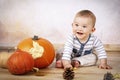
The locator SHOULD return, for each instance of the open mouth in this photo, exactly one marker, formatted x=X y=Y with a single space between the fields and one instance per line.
x=79 y=33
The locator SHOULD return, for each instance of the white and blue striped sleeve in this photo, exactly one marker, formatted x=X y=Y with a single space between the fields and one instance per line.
x=99 y=48
x=68 y=48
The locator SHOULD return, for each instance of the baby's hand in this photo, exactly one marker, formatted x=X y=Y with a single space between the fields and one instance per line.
x=104 y=66
x=68 y=66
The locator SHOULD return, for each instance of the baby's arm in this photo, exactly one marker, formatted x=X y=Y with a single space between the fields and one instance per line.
x=68 y=47
x=102 y=55
x=103 y=64
x=66 y=64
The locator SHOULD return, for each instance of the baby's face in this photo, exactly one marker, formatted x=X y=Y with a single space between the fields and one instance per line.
x=82 y=27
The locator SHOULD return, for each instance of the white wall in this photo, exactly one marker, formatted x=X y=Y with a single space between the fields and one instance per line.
x=51 y=19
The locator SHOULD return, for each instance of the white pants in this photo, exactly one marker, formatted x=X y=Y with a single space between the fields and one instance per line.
x=86 y=60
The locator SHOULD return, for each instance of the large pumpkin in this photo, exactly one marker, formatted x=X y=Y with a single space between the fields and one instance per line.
x=41 y=49
x=20 y=62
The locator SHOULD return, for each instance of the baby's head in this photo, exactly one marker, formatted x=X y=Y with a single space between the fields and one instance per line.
x=83 y=24
x=87 y=14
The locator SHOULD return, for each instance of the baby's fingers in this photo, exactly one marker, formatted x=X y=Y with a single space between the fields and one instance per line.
x=102 y=67
x=108 y=67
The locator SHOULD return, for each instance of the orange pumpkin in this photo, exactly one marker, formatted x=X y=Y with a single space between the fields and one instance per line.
x=20 y=62
x=41 y=49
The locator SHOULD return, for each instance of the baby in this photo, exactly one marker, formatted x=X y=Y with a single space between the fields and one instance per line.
x=81 y=45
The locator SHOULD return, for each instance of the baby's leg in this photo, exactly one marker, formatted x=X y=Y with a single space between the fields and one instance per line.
x=87 y=60
x=58 y=59
x=59 y=64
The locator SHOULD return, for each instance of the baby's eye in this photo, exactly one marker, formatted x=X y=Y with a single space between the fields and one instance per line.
x=76 y=25
x=84 y=26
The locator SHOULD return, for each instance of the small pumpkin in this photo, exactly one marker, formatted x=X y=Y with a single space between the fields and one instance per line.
x=20 y=62
x=41 y=49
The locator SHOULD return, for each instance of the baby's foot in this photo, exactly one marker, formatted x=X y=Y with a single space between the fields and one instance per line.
x=59 y=64
x=75 y=63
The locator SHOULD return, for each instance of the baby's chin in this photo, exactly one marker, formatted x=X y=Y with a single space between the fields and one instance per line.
x=78 y=36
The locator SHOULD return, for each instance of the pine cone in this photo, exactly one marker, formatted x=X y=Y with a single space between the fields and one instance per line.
x=68 y=74
x=108 y=76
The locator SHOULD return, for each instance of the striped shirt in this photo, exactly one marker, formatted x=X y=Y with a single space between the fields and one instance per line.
x=74 y=48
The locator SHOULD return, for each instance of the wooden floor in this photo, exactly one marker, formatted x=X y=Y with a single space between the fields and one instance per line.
x=82 y=73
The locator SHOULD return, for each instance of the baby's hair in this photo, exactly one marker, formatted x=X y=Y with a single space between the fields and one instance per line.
x=87 y=13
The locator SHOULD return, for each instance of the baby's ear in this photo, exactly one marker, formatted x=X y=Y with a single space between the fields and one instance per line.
x=93 y=29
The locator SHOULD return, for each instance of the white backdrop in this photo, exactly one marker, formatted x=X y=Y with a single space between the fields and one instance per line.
x=52 y=19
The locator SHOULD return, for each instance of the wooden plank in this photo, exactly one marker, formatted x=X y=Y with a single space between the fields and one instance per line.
x=112 y=47
x=108 y=47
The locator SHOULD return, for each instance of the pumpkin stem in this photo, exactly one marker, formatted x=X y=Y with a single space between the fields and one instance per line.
x=35 y=38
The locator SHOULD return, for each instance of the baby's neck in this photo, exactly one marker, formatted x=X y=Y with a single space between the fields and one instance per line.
x=83 y=41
